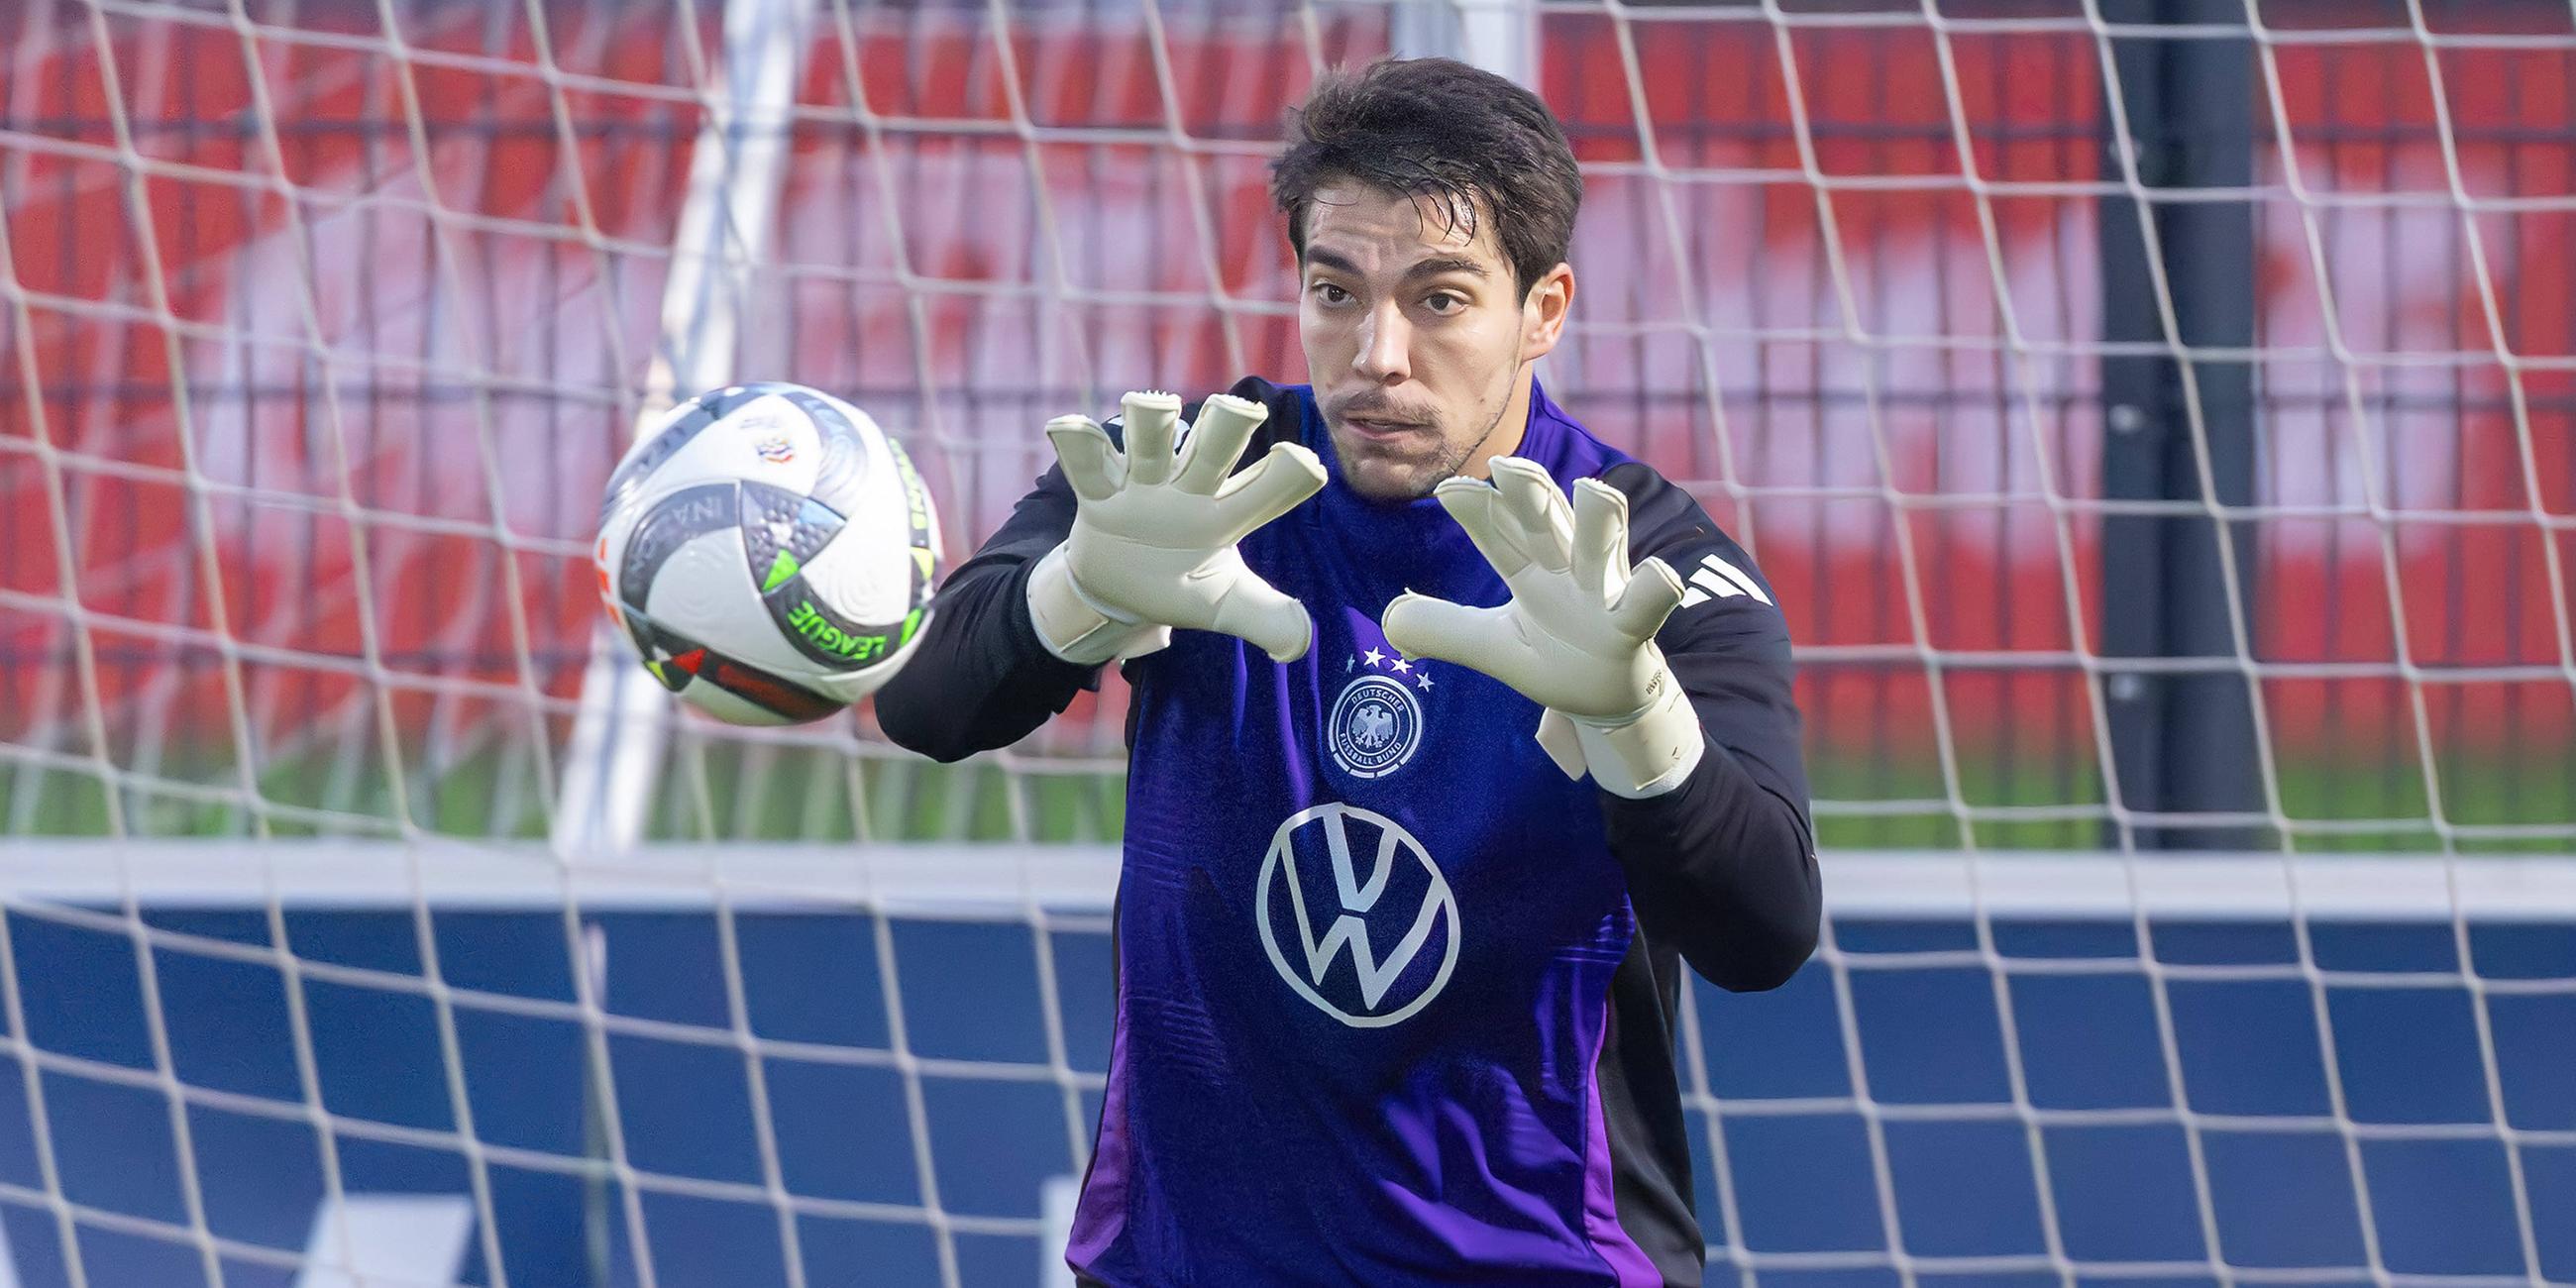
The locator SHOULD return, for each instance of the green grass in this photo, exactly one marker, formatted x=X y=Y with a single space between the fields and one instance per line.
x=2352 y=804
x=707 y=791
x=738 y=792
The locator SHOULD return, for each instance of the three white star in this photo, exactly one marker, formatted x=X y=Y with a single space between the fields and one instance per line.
x=1400 y=666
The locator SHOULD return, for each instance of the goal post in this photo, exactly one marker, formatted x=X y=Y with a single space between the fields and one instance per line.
x=2179 y=579
x=726 y=218
x=2166 y=474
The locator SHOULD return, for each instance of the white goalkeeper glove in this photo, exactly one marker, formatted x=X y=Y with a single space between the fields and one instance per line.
x=1154 y=533
x=1578 y=636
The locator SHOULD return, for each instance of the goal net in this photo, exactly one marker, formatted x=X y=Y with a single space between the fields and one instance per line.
x=2159 y=419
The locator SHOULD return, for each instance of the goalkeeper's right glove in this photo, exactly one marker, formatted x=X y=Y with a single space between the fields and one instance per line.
x=1154 y=533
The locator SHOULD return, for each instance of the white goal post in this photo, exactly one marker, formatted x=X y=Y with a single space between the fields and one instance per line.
x=726 y=219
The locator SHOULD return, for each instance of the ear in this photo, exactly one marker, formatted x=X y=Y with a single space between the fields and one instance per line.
x=1543 y=311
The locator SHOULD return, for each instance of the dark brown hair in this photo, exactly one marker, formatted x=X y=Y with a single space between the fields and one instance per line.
x=1436 y=126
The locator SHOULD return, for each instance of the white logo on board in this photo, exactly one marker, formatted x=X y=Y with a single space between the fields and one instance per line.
x=1344 y=830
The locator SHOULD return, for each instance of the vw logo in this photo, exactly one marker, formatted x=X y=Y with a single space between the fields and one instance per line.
x=1366 y=850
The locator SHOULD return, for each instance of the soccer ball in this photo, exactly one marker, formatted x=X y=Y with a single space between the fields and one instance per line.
x=771 y=551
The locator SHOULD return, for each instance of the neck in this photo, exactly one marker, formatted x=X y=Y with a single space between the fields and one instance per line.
x=1509 y=430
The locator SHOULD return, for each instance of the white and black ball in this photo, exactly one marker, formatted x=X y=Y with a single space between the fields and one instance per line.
x=771 y=551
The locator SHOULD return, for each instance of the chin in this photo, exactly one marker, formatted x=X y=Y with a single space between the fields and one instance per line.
x=1390 y=487
x=1377 y=477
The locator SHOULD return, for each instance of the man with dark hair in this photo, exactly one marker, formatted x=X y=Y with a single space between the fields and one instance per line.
x=1396 y=986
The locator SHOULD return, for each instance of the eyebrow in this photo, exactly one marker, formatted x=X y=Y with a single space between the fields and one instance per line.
x=1432 y=267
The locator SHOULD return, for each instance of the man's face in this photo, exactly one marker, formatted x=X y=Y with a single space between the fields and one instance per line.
x=1415 y=335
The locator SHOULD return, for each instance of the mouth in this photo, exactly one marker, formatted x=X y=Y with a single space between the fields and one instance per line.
x=1380 y=429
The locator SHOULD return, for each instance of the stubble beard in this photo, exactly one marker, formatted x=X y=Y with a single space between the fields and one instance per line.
x=1386 y=477
x=1392 y=480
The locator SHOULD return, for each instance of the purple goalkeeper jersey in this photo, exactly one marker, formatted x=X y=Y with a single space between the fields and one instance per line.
x=1396 y=998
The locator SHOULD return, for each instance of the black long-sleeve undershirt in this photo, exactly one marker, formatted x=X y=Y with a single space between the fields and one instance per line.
x=980 y=678
x=1722 y=867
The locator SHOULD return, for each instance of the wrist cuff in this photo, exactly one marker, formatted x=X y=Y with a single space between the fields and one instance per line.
x=1648 y=754
x=1079 y=629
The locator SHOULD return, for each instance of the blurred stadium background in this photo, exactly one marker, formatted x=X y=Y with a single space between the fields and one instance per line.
x=2158 y=415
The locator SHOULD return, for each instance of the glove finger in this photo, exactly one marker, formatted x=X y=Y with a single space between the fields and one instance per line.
x=1480 y=638
x=1090 y=460
x=1473 y=504
x=1256 y=611
x=1152 y=421
x=1650 y=596
x=1556 y=737
x=1534 y=502
x=1274 y=485
x=1600 y=538
x=1215 y=441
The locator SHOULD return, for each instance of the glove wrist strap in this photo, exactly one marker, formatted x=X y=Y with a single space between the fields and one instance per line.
x=1079 y=629
x=1648 y=754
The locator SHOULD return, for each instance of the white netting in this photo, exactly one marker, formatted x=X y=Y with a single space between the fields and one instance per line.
x=322 y=323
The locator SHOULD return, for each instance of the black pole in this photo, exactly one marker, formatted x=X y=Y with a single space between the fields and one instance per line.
x=2182 y=740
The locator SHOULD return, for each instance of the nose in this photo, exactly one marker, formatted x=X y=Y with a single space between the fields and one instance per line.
x=1384 y=350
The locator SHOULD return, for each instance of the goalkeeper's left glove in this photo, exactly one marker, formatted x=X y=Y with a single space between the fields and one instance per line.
x=1578 y=636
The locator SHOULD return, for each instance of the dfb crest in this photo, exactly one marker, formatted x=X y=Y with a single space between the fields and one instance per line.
x=1376 y=723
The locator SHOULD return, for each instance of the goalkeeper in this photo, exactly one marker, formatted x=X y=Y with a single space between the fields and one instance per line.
x=1454 y=732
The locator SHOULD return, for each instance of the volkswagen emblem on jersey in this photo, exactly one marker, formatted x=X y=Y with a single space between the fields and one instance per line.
x=1379 y=943
x=1376 y=724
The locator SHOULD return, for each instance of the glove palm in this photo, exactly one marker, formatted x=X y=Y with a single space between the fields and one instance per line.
x=1578 y=635
x=1153 y=544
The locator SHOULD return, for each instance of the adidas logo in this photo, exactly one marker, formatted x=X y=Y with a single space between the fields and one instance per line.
x=1715 y=578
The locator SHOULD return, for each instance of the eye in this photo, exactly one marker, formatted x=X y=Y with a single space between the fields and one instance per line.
x=1446 y=303
x=1329 y=293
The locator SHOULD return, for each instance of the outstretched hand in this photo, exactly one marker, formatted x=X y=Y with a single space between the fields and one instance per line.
x=1578 y=635
x=1155 y=530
